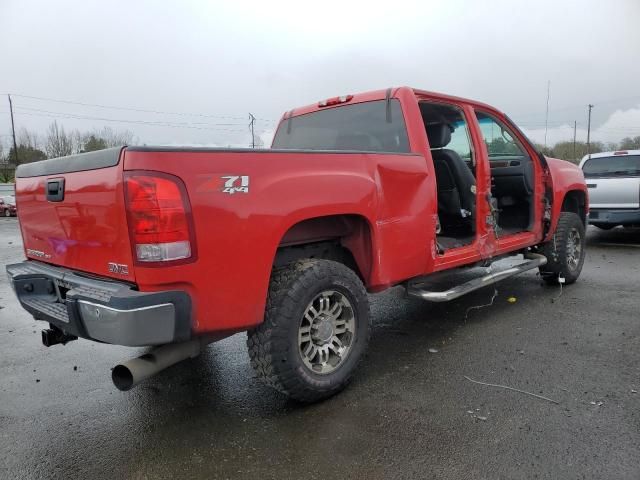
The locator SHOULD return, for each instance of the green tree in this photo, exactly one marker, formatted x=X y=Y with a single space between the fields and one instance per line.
x=565 y=150
x=548 y=151
x=629 y=143
x=7 y=176
x=499 y=146
x=26 y=154
x=93 y=143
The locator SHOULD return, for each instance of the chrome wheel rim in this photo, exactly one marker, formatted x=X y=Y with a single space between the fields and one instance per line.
x=574 y=249
x=327 y=332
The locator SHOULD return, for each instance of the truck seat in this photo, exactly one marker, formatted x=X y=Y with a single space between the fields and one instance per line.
x=456 y=183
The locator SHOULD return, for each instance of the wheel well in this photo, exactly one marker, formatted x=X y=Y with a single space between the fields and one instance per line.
x=341 y=238
x=575 y=201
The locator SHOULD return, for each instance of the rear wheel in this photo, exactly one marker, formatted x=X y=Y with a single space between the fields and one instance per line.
x=7 y=212
x=315 y=331
x=565 y=251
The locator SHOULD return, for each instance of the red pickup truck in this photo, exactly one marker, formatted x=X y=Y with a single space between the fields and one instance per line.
x=178 y=247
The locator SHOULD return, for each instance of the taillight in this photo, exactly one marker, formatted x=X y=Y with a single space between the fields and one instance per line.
x=159 y=217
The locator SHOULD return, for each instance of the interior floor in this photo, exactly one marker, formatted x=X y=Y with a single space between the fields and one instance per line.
x=447 y=243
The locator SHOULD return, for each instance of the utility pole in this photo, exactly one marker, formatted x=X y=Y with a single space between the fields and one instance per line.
x=574 y=138
x=589 y=131
x=13 y=131
x=251 y=124
x=546 y=117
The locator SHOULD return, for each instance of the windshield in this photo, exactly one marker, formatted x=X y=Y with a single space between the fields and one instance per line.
x=623 y=165
x=362 y=127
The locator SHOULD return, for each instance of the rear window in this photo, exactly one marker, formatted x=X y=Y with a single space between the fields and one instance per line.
x=362 y=126
x=618 y=166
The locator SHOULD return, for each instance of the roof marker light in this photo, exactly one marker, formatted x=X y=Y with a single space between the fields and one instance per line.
x=335 y=101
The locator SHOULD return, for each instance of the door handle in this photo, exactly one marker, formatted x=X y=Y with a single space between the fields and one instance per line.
x=55 y=190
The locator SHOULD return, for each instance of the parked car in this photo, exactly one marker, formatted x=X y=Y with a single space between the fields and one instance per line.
x=178 y=247
x=8 y=206
x=613 y=180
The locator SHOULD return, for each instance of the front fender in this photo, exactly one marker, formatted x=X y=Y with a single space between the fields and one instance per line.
x=565 y=177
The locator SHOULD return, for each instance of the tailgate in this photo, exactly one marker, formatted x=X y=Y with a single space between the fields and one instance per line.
x=613 y=180
x=72 y=213
x=614 y=192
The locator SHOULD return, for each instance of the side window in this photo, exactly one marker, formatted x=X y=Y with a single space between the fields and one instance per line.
x=499 y=139
x=439 y=115
x=460 y=142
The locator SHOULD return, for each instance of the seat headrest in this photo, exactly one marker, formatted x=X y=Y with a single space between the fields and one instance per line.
x=439 y=135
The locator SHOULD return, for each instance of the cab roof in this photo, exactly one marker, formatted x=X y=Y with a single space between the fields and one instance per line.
x=381 y=95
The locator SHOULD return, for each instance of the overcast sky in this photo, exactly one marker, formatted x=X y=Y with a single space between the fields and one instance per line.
x=215 y=62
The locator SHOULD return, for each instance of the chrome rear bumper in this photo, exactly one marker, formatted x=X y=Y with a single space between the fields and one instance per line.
x=101 y=310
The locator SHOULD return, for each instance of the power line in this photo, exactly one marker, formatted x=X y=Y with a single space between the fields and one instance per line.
x=258 y=119
x=154 y=124
x=131 y=109
x=19 y=107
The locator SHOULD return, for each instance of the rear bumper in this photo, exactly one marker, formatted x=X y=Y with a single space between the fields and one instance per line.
x=614 y=216
x=101 y=310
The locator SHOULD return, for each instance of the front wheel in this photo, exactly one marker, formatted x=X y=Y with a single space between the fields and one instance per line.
x=565 y=251
x=7 y=212
x=316 y=330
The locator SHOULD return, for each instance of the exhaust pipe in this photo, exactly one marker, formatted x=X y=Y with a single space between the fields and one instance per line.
x=128 y=374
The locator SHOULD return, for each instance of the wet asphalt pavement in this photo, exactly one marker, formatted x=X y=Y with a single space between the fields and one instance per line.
x=409 y=413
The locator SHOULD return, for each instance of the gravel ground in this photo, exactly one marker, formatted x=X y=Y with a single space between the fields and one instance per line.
x=410 y=412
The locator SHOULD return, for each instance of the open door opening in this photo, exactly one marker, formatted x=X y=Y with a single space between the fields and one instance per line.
x=454 y=164
x=512 y=176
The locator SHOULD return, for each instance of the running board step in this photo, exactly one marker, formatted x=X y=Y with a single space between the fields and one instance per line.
x=534 y=260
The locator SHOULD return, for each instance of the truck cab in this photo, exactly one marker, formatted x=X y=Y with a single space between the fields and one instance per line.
x=490 y=190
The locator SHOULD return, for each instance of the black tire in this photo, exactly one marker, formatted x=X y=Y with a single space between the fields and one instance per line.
x=274 y=347
x=561 y=260
x=603 y=226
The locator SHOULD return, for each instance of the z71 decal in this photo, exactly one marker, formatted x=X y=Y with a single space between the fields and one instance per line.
x=235 y=184
x=224 y=183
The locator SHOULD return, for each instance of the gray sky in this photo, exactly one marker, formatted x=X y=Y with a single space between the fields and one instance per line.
x=227 y=59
